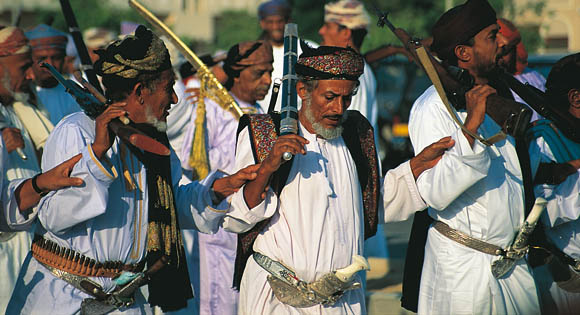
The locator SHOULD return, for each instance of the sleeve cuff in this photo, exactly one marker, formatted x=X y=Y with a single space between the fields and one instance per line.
x=101 y=171
x=404 y=171
x=213 y=203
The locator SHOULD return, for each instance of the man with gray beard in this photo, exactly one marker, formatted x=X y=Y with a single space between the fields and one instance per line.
x=24 y=131
x=249 y=67
x=312 y=213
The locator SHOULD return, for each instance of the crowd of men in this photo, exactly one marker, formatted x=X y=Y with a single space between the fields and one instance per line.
x=92 y=224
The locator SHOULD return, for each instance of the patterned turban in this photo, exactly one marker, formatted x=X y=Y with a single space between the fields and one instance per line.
x=329 y=63
x=511 y=33
x=244 y=55
x=46 y=37
x=12 y=41
x=460 y=24
x=141 y=53
x=274 y=7
x=349 y=13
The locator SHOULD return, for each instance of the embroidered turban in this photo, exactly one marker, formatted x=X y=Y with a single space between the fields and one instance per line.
x=511 y=33
x=141 y=53
x=274 y=7
x=349 y=13
x=12 y=41
x=460 y=24
x=329 y=63
x=46 y=37
x=244 y=55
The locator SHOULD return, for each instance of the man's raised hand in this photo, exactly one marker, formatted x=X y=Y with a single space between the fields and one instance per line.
x=430 y=156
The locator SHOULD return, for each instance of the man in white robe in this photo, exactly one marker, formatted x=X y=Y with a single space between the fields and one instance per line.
x=318 y=219
x=249 y=68
x=475 y=189
x=561 y=220
x=20 y=141
x=49 y=45
x=346 y=24
x=127 y=214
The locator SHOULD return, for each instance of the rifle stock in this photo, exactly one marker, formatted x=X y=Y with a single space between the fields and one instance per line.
x=93 y=107
x=511 y=116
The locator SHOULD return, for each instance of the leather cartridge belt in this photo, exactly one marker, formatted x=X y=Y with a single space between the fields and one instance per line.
x=50 y=254
x=467 y=240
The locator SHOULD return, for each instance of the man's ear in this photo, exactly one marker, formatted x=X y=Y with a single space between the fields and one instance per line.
x=345 y=34
x=463 y=53
x=574 y=97
x=137 y=92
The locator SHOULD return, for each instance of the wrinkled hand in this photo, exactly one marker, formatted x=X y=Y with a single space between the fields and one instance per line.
x=104 y=137
x=59 y=176
x=226 y=186
x=192 y=95
x=430 y=156
x=287 y=143
x=12 y=139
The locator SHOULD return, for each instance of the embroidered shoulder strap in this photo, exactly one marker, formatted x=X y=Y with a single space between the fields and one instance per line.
x=358 y=135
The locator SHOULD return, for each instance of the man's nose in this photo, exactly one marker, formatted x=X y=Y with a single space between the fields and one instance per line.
x=501 y=40
x=267 y=78
x=29 y=74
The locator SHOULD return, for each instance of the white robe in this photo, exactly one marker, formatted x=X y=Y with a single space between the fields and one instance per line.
x=561 y=221
x=57 y=102
x=104 y=219
x=317 y=224
x=13 y=251
x=477 y=191
x=217 y=252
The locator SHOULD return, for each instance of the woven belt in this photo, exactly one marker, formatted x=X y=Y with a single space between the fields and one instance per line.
x=50 y=254
x=467 y=240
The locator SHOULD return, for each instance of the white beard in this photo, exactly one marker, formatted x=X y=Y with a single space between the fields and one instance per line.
x=321 y=131
x=161 y=126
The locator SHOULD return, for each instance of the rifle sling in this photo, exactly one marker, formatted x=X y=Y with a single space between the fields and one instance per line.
x=432 y=74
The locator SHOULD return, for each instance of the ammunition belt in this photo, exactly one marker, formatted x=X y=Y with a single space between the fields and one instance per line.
x=49 y=253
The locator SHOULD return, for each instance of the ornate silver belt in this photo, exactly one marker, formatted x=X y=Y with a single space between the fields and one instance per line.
x=467 y=240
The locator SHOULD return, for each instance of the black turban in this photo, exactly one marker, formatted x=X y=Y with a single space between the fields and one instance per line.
x=459 y=24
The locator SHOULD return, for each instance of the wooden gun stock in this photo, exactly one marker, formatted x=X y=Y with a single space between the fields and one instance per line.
x=122 y=126
x=511 y=116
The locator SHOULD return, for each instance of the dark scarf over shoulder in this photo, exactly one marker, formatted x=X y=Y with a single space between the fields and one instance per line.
x=169 y=288
x=359 y=139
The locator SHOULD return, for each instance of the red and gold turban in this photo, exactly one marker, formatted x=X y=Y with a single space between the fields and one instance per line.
x=329 y=63
x=12 y=41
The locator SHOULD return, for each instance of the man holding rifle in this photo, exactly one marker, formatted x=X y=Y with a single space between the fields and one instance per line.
x=95 y=241
x=476 y=192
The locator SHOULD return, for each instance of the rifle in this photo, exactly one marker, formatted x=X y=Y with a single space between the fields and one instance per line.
x=568 y=124
x=73 y=28
x=511 y=116
x=289 y=111
x=94 y=104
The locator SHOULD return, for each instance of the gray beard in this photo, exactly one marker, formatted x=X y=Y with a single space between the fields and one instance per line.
x=17 y=96
x=161 y=126
x=319 y=129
